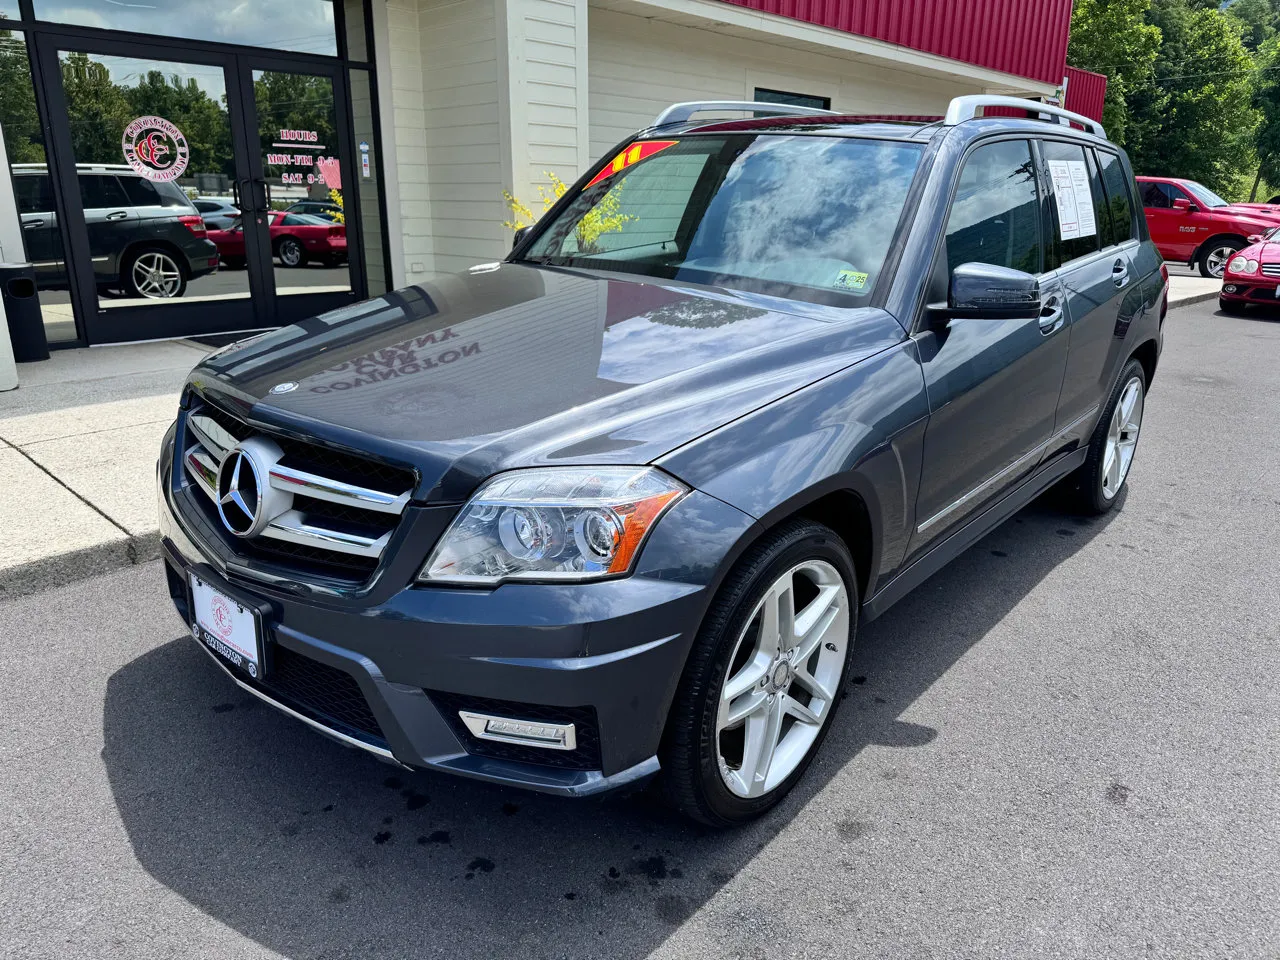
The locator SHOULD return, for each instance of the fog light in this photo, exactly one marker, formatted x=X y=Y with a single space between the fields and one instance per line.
x=526 y=733
x=1229 y=288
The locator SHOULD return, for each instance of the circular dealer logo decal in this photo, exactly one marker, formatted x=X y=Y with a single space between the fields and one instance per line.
x=222 y=619
x=155 y=148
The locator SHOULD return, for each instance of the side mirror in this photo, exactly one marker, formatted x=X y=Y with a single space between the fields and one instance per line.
x=521 y=233
x=1254 y=237
x=983 y=291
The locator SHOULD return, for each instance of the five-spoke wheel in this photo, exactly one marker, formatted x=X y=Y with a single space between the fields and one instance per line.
x=764 y=676
x=155 y=274
x=782 y=678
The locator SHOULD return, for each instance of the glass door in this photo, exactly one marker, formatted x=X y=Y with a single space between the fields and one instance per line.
x=300 y=194
x=199 y=192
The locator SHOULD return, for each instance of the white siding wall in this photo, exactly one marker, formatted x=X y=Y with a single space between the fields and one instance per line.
x=412 y=221
x=638 y=66
x=461 y=119
x=547 y=92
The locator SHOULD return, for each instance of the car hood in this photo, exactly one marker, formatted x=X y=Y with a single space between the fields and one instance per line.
x=513 y=365
x=1271 y=211
x=1263 y=215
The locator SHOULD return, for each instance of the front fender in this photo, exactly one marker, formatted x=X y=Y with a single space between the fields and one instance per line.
x=856 y=430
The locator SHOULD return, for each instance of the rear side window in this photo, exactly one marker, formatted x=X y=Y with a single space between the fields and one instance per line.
x=1119 y=203
x=1075 y=225
x=144 y=193
x=33 y=193
x=995 y=215
x=99 y=190
x=207 y=206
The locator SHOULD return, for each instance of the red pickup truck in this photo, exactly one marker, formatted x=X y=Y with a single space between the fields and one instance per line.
x=1192 y=224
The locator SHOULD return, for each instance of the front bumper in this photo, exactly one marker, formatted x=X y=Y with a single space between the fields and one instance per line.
x=1253 y=289
x=398 y=665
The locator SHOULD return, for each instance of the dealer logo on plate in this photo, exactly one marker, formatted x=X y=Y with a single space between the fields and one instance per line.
x=155 y=148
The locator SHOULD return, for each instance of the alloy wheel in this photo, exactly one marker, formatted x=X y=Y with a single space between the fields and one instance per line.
x=290 y=254
x=1122 y=438
x=156 y=276
x=1216 y=261
x=782 y=679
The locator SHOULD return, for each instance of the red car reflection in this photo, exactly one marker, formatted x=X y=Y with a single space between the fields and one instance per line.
x=296 y=238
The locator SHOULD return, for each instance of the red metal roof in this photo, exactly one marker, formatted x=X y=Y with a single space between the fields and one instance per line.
x=1085 y=92
x=1027 y=38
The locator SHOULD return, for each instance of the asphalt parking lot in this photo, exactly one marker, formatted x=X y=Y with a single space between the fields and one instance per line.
x=1061 y=745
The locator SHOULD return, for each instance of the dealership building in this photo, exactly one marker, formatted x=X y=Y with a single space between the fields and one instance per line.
x=339 y=149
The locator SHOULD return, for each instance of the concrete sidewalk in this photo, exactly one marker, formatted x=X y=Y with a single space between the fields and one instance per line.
x=78 y=445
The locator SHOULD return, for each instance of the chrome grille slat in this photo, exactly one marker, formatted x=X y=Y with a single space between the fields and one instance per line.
x=294 y=528
x=356 y=534
x=1271 y=269
x=217 y=441
x=335 y=491
x=204 y=470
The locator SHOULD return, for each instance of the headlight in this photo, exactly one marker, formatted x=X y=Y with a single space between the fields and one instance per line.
x=1238 y=265
x=554 y=523
x=1251 y=266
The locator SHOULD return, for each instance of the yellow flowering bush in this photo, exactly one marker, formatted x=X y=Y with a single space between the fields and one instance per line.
x=604 y=217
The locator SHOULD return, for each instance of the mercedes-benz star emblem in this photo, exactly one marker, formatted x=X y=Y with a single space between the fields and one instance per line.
x=287 y=387
x=239 y=493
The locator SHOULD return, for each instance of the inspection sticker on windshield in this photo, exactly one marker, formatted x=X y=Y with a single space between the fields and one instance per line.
x=851 y=280
x=1075 y=202
x=633 y=154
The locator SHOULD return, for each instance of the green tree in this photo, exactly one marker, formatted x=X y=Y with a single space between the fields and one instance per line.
x=23 y=138
x=1257 y=19
x=1266 y=100
x=1196 y=120
x=98 y=110
x=1114 y=38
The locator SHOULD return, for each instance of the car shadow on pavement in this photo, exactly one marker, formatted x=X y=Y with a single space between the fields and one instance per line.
x=315 y=851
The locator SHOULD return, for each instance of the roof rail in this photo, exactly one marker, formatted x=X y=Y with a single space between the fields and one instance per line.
x=971 y=107
x=680 y=112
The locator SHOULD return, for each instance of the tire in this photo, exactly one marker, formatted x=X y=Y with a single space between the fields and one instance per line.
x=1097 y=489
x=1213 y=258
x=154 y=273
x=1231 y=306
x=291 y=253
x=699 y=751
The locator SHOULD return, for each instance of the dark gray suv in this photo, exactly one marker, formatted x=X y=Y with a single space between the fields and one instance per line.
x=146 y=239
x=615 y=506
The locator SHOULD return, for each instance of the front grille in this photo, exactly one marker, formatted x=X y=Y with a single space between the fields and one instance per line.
x=341 y=511
x=586 y=729
x=1271 y=269
x=324 y=693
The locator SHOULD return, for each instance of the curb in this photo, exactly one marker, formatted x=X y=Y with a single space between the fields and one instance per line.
x=66 y=568
x=1192 y=298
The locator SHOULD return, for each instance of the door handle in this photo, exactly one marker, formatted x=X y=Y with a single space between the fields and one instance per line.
x=117 y=215
x=1119 y=274
x=1051 y=315
x=253 y=192
x=31 y=224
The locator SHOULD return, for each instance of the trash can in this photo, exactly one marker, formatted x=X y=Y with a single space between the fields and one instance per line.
x=22 y=312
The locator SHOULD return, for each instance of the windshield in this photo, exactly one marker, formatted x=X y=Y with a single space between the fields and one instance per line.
x=1205 y=195
x=807 y=217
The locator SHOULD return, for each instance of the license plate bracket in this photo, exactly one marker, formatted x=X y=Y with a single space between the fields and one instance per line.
x=229 y=624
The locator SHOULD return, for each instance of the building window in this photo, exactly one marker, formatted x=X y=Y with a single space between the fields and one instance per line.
x=791 y=99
